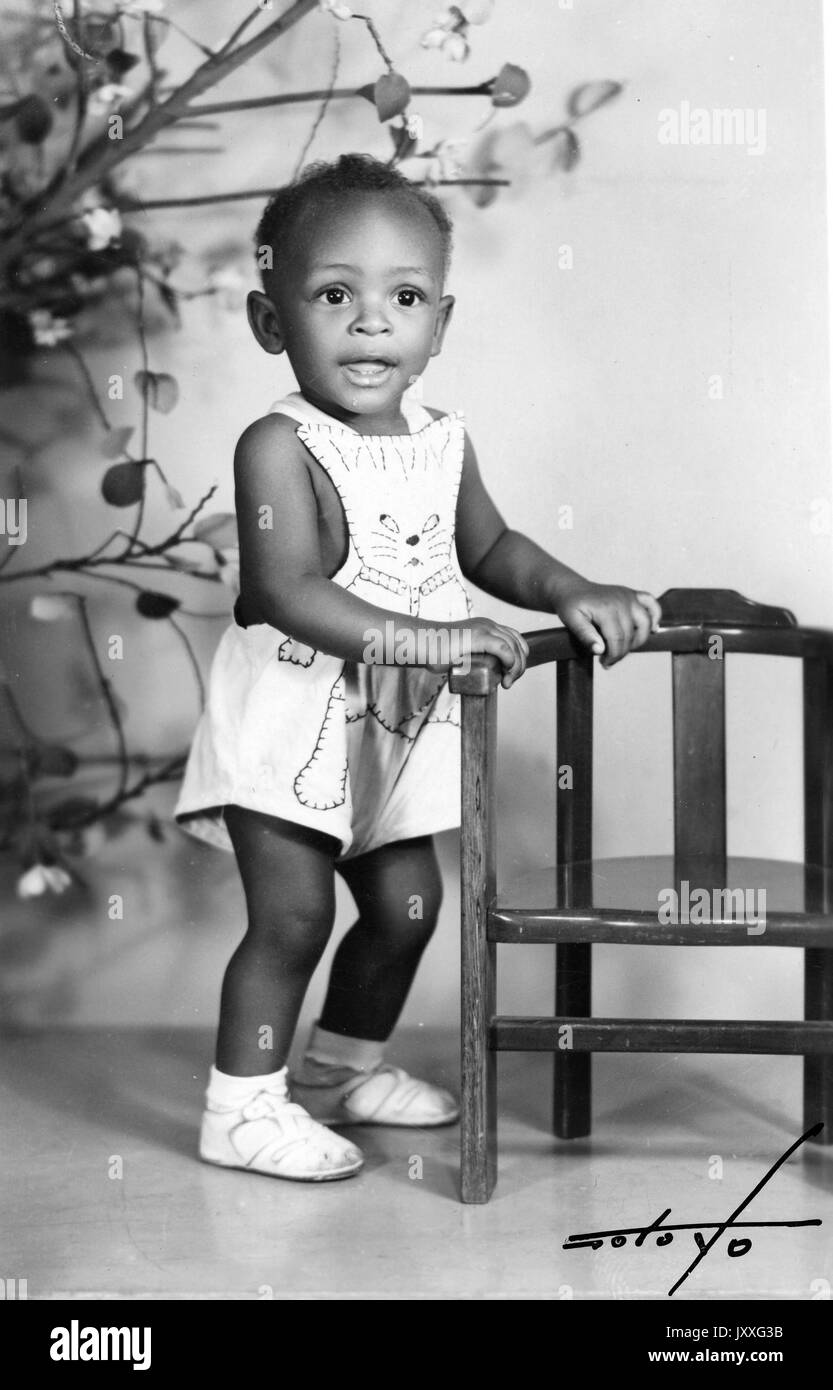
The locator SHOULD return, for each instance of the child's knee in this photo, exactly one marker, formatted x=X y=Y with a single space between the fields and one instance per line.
x=294 y=930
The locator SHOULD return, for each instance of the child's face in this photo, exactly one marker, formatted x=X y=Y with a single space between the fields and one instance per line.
x=358 y=307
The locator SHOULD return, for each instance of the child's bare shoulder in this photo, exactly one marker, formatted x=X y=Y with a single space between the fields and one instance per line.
x=270 y=432
x=269 y=447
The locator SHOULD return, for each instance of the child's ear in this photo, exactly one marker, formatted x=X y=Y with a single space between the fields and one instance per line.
x=441 y=322
x=264 y=321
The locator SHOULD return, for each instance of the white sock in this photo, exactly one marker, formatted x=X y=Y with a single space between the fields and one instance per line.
x=231 y=1092
x=337 y=1051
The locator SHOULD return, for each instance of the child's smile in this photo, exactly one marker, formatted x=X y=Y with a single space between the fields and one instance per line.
x=360 y=307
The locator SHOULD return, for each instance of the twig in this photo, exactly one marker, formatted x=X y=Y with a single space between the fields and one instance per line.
x=107 y=692
x=140 y=328
x=213 y=108
x=374 y=34
x=176 y=535
x=76 y=353
x=322 y=110
x=170 y=771
x=193 y=660
x=84 y=564
x=239 y=31
x=27 y=733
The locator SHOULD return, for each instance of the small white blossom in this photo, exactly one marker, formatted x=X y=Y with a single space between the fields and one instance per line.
x=449 y=36
x=42 y=878
x=449 y=154
x=104 y=98
x=103 y=227
x=228 y=284
x=455 y=48
x=435 y=38
x=50 y=608
x=48 y=331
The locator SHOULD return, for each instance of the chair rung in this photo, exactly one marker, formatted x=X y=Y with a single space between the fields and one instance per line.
x=640 y=927
x=507 y=1034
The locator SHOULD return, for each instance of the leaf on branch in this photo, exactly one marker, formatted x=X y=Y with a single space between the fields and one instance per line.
x=566 y=148
x=32 y=120
x=72 y=811
x=160 y=390
x=119 y=61
x=589 y=97
x=51 y=760
x=116 y=441
x=169 y=298
x=510 y=86
x=124 y=483
x=51 y=608
x=368 y=91
x=391 y=95
x=152 y=604
x=218 y=530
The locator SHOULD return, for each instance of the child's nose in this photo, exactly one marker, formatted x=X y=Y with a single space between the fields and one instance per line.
x=371 y=318
x=412 y=540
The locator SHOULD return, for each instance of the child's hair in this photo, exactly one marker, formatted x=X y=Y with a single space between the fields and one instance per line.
x=324 y=182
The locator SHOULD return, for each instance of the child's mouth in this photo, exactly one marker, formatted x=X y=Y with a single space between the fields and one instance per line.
x=368 y=371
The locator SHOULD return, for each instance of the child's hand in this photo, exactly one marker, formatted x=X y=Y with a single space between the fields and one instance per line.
x=484 y=635
x=610 y=619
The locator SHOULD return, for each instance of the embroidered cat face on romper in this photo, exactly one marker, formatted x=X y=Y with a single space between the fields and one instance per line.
x=402 y=528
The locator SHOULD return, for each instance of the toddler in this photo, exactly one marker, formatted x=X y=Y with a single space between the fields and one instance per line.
x=330 y=739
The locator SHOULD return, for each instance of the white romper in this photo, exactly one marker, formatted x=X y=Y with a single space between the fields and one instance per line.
x=365 y=752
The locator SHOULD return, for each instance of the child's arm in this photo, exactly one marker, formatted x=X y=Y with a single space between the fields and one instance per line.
x=509 y=566
x=282 y=577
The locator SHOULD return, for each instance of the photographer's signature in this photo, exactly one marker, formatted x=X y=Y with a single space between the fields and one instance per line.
x=738 y=1245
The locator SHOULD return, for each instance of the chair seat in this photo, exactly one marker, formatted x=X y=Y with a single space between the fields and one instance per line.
x=657 y=900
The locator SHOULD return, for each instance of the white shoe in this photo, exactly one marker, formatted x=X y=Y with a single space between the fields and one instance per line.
x=271 y=1134
x=386 y=1095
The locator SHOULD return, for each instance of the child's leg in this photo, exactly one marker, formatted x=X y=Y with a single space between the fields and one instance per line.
x=287 y=873
x=249 y=1119
x=398 y=891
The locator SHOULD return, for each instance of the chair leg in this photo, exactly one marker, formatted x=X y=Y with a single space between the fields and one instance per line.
x=572 y=1079
x=818 y=1067
x=478 y=1119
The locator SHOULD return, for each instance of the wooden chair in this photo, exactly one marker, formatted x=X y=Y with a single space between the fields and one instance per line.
x=580 y=901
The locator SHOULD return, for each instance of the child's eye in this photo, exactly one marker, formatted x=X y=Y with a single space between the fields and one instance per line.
x=406 y=299
x=333 y=294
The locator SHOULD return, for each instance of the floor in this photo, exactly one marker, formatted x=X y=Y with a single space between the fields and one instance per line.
x=102 y=1196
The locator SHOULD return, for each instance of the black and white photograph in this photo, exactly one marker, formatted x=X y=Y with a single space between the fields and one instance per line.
x=416 y=611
